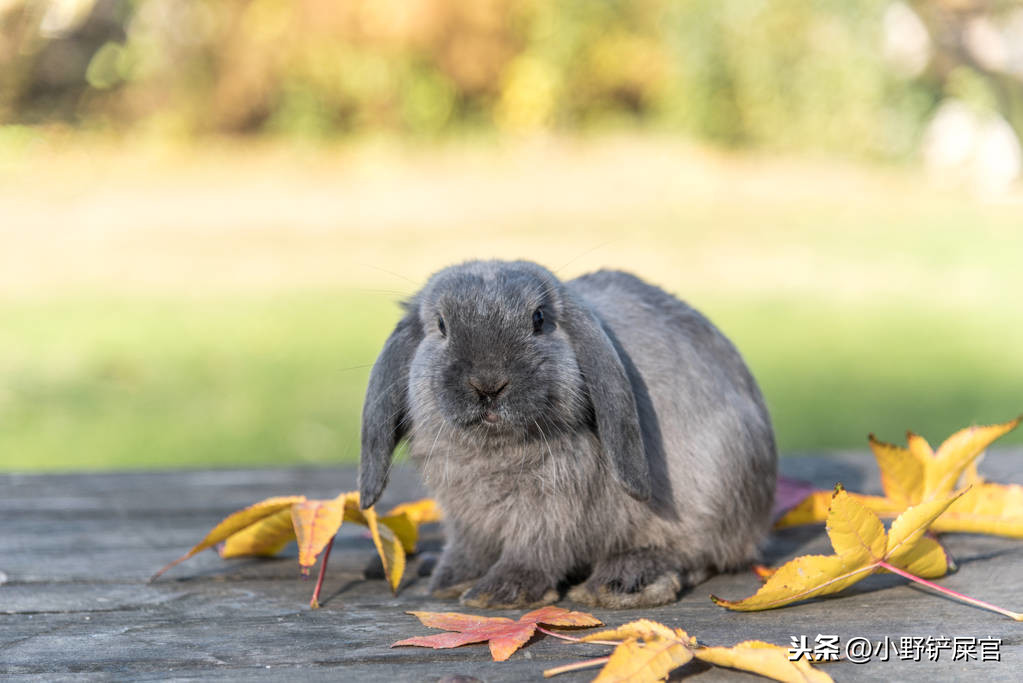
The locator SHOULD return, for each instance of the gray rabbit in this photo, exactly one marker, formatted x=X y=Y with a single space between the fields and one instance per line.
x=596 y=432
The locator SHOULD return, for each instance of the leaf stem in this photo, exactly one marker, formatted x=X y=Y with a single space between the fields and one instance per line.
x=951 y=593
x=573 y=639
x=176 y=562
x=314 y=603
x=589 y=663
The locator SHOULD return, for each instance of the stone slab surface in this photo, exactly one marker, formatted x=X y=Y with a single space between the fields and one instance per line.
x=76 y=551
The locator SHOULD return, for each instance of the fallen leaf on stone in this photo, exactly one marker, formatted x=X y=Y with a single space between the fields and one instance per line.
x=814 y=509
x=914 y=473
x=265 y=538
x=504 y=635
x=788 y=493
x=238 y=522
x=316 y=522
x=263 y=529
x=649 y=651
x=861 y=548
x=405 y=520
x=985 y=509
x=389 y=544
x=765 y=659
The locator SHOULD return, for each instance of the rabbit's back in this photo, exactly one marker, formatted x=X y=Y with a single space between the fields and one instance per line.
x=705 y=427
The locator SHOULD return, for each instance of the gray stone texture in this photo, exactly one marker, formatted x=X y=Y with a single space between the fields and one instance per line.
x=76 y=551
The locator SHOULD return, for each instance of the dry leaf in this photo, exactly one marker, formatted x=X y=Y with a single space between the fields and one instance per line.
x=404 y=520
x=264 y=538
x=814 y=508
x=912 y=474
x=418 y=511
x=641 y=629
x=316 y=523
x=390 y=548
x=861 y=548
x=504 y=635
x=985 y=509
x=235 y=523
x=788 y=493
x=266 y=527
x=765 y=659
x=649 y=651
x=916 y=473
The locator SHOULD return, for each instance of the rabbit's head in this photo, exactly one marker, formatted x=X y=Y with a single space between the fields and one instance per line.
x=493 y=354
x=502 y=351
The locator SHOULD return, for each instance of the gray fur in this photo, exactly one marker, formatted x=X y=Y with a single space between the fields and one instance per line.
x=632 y=450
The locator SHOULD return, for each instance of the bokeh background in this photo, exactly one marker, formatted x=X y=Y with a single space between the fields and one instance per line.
x=209 y=209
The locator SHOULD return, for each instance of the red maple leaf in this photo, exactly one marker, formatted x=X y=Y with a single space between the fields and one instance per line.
x=504 y=635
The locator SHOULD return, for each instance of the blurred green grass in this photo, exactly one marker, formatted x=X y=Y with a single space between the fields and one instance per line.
x=222 y=307
x=170 y=382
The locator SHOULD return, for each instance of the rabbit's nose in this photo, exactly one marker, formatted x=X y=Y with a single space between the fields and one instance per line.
x=488 y=387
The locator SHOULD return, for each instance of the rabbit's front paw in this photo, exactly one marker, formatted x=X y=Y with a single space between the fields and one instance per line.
x=511 y=587
x=453 y=575
x=638 y=578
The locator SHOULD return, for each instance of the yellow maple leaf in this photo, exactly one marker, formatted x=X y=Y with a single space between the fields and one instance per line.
x=861 y=548
x=237 y=522
x=404 y=520
x=986 y=509
x=648 y=651
x=263 y=529
x=765 y=659
x=418 y=511
x=264 y=538
x=389 y=545
x=814 y=508
x=916 y=473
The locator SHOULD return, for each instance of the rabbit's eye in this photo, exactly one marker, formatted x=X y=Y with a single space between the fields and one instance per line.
x=440 y=326
x=537 y=321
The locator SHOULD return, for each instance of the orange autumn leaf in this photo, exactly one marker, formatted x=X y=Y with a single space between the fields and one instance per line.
x=504 y=635
x=316 y=522
x=862 y=547
x=235 y=523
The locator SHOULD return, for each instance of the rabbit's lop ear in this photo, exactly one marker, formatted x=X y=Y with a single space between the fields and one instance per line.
x=614 y=403
x=385 y=411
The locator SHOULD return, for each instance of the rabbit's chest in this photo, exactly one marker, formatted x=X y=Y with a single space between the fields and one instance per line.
x=521 y=492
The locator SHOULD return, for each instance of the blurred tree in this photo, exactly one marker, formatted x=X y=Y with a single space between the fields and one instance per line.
x=856 y=78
